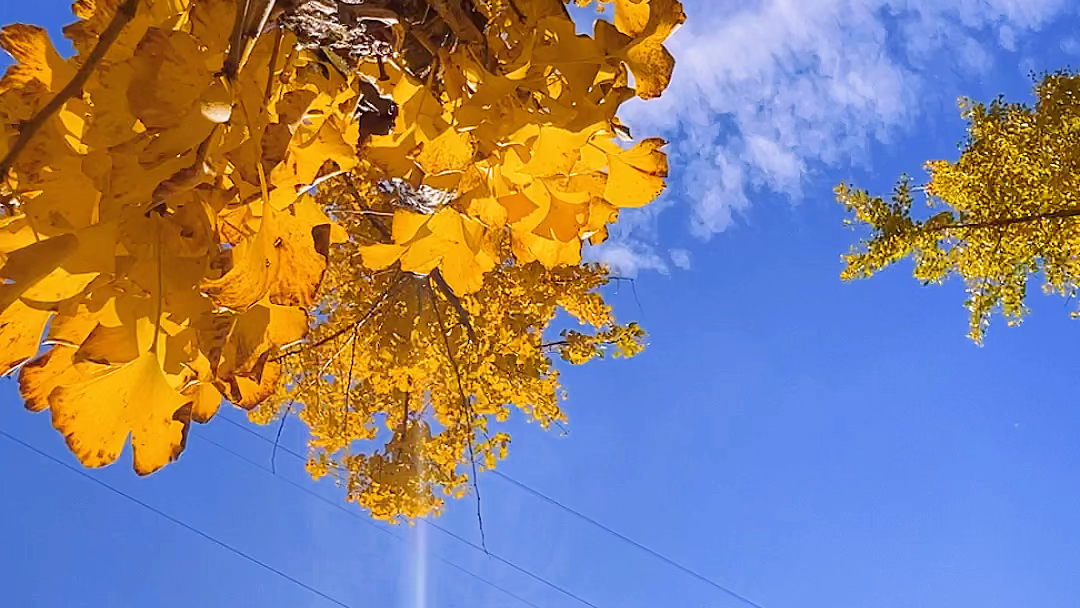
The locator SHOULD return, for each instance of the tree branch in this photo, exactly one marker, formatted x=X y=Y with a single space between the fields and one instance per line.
x=348 y=392
x=347 y=328
x=449 y=293
x=377 y=223
x=273 y=65
x=468 y=411
x=454 y=15
x=277 y=439
x=1002 y=222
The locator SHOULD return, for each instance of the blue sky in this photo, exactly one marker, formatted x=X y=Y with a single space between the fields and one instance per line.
x=807 y=443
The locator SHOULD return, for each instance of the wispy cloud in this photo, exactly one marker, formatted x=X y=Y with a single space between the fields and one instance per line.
x=627 y=257
x=680 y=258
x=766 y=93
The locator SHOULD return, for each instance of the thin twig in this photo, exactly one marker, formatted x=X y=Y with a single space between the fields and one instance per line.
x=343 y=330
x=277 y=439
x=348 y=385
x=315 y=184
x=365 y=212
x=517 y=10
x=160 y=299
x=468 y=410
x=330 y=361
x=566 y=343
x=124 y=13
x=253 y=33
x=449 y=293
x=273 y=65
x=232 y=60
x=1070 y=212
x=383 y=230
x=633 y=291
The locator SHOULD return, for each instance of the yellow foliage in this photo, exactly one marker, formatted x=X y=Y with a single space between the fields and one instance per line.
x=402 y=361
x=145 y=210
x=200 y=187
x=1007 y=208
x=97 y=415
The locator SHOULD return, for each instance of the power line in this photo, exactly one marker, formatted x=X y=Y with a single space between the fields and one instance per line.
x=461 y=539
x=626 y=539
x=359 y=517
x=511 y=564
x=536 y=493
x=174 y=520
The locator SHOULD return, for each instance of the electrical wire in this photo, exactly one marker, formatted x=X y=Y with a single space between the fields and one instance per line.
x=361 y=518
x=626 y=539
x=536 y=493
x=176 y=521
x=461 y=539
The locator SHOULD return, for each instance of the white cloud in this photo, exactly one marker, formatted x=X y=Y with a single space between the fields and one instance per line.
x=627 y=257
x=766 y=93
x=1007 y=38
x=680 y=258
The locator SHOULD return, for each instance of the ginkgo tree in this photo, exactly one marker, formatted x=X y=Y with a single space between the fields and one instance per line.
x=367 y=212
x=1000 y=216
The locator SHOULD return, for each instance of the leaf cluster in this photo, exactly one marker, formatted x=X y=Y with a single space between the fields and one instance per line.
x=371 y=212
x=1003 y=213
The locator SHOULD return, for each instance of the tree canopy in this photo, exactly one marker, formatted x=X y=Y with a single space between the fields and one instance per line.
x=369 y=213
x=1000 y=216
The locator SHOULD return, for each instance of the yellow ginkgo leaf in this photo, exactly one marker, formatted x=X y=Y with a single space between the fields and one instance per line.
x=169 y=78
x=166 y=223
x=556 y=151
x=306 y=157
x=450 y=151
x=636 y=176
x=304 y=238
x=264 y=328
x=210 y=23
x=94 y=254
x=651 y=63
x=632 y=16
x=249 y=389
x=27 y=266
x=109 y=345
x=35 y=58
x=380 y=255
x=641 y=43
x=564 y=221
x=20 y=334
x=205 y=401
x=407 y=224
x=40 y=376
x=97 y=416
x=284 y=260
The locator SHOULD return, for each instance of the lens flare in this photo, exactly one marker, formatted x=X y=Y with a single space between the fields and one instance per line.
x=418 y=565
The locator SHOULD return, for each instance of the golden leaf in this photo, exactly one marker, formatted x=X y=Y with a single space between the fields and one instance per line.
x=1002 y=215
x=284 y=260
x=97 y=416
x=642 y=41
x=35 y=58
x=21 y=327
x=169 y=78
x=450 y=151
x=205 y=401
x=636 y=176
x=27 y=266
